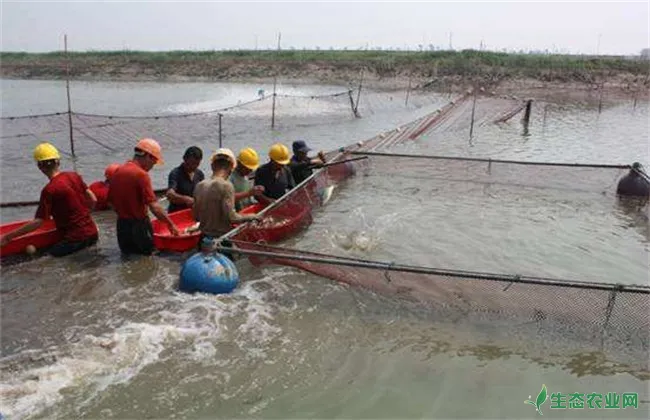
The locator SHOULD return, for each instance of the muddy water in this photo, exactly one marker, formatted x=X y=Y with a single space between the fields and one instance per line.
x=99 y=336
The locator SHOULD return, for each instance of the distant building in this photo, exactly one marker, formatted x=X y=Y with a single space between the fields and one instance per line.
x=645 y=53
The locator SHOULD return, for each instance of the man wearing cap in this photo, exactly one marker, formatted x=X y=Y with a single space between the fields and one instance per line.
x=301 y=165
x=131 y=194
x=634 y=183
x=183 y=179
x=247 y=162
x=214 y=199
x=67 y=200
x=275 y=176
x=100 y=188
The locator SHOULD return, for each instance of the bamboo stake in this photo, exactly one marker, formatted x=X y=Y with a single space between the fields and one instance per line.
x=220 y=131
x=275 y=82
x=356 y=105
x=471 y=126
x=408 y=90
x=67 y=89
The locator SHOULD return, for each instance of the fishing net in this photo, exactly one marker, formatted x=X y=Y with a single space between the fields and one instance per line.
x=524 y=310
x=103 y=139
x=613 y=319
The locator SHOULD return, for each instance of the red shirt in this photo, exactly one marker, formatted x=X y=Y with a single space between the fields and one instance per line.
x=64 y=200
x=130 y=191
x=100 y=189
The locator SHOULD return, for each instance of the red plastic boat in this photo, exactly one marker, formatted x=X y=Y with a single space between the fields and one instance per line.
x=279 y=225
x=163 y=240
x=43 y=237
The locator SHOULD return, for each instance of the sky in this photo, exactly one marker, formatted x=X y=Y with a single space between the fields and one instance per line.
x=616 y=28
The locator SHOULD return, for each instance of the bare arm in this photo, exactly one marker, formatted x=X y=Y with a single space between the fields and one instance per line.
x=91 y=200
x=229 y=209
x=242 y=195
x=161 y=215
x=178 y=199
x=29 y=227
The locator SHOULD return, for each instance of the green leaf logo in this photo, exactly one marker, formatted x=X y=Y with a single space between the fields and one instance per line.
x=540 y=400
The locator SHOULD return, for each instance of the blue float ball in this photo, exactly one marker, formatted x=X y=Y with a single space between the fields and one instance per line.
x=208 y=273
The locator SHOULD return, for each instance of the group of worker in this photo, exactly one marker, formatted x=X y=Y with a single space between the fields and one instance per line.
x=236 y=182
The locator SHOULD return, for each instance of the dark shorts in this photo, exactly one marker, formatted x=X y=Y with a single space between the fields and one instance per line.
x=64 y=248
x=135 y=236
x=224 y=243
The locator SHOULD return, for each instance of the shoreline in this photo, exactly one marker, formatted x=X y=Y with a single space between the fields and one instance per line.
x=613 y=91
x=442 y=71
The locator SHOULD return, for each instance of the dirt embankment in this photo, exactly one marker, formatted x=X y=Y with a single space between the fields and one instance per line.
x=442 y=70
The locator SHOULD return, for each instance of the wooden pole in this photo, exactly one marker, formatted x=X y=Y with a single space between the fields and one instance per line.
x=351 y=102
x=600 y=98
x=356 y=105
x=408 y=90
x=67 y=89
x=471 y=126
x=220 y=131
x=275 y=82
x=529 y=106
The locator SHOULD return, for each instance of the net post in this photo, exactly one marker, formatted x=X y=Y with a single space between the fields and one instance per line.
x=67 y=89
x=408 y=90
x=471 y=126
x=275 y=82
x=352 y=103
x=600 y=97
x=356 y=105
x=526 y=119
x=220 y=131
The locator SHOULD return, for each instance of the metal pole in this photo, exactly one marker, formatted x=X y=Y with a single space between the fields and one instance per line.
x=67 y=89
x=334 y=260
x=220 y=132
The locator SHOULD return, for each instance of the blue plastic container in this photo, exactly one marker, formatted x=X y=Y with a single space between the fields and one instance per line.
x=208 y=273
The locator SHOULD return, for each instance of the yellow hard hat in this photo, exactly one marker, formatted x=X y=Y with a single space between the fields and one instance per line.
x=248 y=157
x=45 y=151
x=279 y=153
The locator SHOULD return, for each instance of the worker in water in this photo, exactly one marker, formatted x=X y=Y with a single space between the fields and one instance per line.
x=301 y=164
x=67 y=200
x=100 y=188
x=183 y=179
x=131 y=194
x=635 y=183
x=247 y=162
x=214 y=200
x=275 y=176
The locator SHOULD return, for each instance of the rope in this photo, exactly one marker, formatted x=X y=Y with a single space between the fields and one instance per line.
x=144 y=117
x=488 y=160
x=34 y=116
x=333 y=260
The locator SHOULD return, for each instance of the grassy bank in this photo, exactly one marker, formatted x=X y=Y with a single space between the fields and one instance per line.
x=431 y=69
